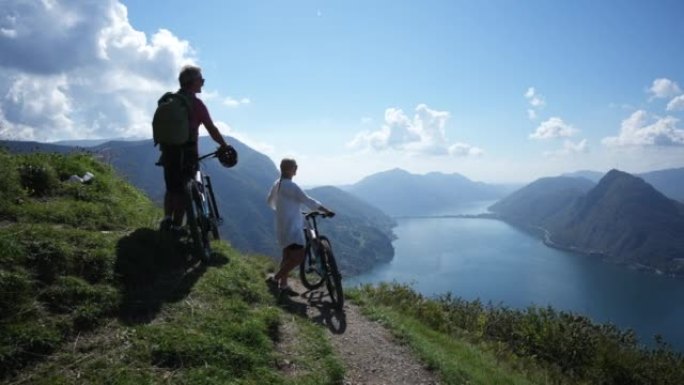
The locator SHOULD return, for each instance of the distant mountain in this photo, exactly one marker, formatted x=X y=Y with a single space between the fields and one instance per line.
x=29 y=147
x=622 y=219
x=93 y=142
x=669 y=182
x=241 y=198
x=542 y=199
x=400 y=193
x=593 y=176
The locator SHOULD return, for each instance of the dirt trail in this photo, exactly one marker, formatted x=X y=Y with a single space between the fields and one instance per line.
x=370 y=353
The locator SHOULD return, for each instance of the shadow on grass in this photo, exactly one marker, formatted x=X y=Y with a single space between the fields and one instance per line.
x=324 y=312
x=153 y=269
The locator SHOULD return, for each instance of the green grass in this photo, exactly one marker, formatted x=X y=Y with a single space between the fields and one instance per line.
x=468 y=342
x=222 y=330
x=90 y=293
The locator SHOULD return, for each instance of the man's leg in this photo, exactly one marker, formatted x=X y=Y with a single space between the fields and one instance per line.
x=173 y=178
x=177 y=205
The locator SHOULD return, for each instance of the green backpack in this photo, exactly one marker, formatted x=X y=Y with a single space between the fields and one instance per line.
x=171 y=121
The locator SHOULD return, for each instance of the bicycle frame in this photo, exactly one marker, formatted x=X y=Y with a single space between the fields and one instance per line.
x=206 y=189
x=202 y=214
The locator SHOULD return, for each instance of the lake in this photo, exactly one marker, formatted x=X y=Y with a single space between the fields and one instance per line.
x=493 y=261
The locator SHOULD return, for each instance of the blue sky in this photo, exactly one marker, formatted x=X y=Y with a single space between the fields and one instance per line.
x=499 y=91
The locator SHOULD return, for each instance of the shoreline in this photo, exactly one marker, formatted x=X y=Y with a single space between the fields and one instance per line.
x=546 y=238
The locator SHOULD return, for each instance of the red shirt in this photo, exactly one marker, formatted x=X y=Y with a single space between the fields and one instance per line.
x=199 y=115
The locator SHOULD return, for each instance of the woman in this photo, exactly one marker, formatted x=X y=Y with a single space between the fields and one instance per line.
x=286 y=198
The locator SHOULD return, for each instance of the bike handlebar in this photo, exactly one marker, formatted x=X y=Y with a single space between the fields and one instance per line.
x=209 y=155
x=314 y=214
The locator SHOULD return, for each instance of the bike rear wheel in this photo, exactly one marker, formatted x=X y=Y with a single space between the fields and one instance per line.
x=311 y=270
x=333 y=278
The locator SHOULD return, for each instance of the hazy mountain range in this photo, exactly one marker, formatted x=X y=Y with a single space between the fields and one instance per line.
x=400 y=193
x=622 y=218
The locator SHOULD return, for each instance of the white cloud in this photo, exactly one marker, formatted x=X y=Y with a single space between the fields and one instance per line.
x=425 y=133
x=636 y=131
x=664 y=88
x=76 y=69
x=569 y=148
x=676 y=104
x=366 y=120
x=463 y=149
x=535 y=100
x=231 y=102
x=553 y=128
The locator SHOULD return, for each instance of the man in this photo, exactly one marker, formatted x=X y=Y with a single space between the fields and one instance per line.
x=180 y=162
x=286 y=198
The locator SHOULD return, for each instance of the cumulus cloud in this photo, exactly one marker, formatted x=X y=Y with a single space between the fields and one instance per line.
x=553 y=128
x=78 y=69
x=569 y=148
x=425 y=133
x=536 y=102
x=534 y=98
x=664 y=88
x=676 y=104
x=636 y=131
x=231 y=102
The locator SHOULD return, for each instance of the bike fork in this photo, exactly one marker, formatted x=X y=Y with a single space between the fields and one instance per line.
x=219 y=220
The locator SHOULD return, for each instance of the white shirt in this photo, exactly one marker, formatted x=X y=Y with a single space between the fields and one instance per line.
x=286 y=198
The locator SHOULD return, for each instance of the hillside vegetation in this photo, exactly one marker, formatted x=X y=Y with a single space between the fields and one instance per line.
x=472 y=343
x=90 y=293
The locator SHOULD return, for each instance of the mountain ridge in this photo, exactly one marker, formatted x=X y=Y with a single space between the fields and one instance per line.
x=622 y=219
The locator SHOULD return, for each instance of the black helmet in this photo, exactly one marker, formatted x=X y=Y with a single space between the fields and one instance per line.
x=227 y=156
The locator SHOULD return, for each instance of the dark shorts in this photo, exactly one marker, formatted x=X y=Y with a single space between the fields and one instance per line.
x=294 y=246
x=180 y=163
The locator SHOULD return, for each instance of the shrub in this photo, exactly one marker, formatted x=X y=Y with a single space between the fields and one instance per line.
x=38 y=178
x=10 y=186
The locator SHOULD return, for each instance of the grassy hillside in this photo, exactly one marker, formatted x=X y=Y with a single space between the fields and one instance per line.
x=89 y=293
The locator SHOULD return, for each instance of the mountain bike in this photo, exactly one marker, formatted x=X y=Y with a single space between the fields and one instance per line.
x=201 y=212
x=319 y=265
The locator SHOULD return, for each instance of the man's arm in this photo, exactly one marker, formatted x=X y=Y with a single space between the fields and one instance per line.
x=215 y=133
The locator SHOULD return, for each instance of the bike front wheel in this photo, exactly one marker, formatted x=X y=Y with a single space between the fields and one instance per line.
x=333 y=278
x=311 y=270
x=198 y=226
x=213 y=210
